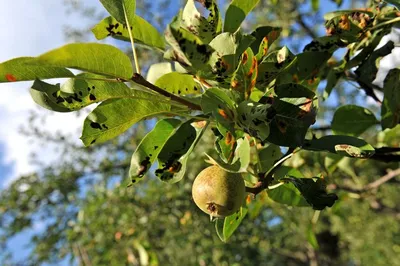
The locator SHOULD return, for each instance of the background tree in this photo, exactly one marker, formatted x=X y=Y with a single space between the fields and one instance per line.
x=97 y=220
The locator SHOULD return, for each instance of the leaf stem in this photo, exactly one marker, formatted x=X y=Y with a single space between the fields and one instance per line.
x=132 y=41
x=139 y=79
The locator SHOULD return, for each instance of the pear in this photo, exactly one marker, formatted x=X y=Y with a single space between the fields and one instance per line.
x=217 y=192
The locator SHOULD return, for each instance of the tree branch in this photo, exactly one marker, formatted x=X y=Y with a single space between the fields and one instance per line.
x=370 y=186
x=137 y=78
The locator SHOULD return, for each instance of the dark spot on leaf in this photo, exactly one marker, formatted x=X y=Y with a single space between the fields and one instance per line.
x=104 y=125
x=155 y=147
x=92 y=97
x=95 y=125
x=93 y=141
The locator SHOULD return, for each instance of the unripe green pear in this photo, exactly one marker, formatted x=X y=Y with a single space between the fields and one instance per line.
x=218 y=192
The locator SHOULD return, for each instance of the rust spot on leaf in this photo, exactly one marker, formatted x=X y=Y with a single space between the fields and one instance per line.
x=10 y=78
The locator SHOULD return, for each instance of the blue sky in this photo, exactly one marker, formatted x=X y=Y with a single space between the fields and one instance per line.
x=30 y=28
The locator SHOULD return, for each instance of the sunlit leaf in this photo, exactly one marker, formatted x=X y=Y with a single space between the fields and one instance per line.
x=116 y=9
x=178 y=83
x=232 y=222
x=113 y=117
x=237 y=12
x=142 y=31
x=94 y=57
x=19 y=69
x=150 y=146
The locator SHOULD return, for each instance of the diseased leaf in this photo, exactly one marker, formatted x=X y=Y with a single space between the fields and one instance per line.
x=116 y=9
x=169 y=158
x=19 y=69
x=150 y=147
x=343 y=145
x=241 y=160
x=113 y=117
x=314 y=191
x=352 y=120
x=178 y=83
x=142 y=31
x=390 y=110
x=98 y=58
x=265 y=36
x=194 y=22
x=237 y=12
x=245 y=77
x=82 y=91
x=232 y=222
x=44 y=100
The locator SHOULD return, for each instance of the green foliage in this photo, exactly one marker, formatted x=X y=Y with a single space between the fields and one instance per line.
x=259 y=98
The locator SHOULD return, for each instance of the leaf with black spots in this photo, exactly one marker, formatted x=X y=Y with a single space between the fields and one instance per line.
x=117 y=9
x=113 y=117
x=205 y=28
x=178 y=83
x=264 y=38
x=142 y=31
x=85 y=89
x=173 y=156
x=245 y=77
x=151 y=145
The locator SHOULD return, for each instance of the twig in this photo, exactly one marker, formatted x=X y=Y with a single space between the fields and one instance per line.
x=135 y=58
x=305 y=27
x=137 y=78
x=368 y=88
x=266 y=178
x=370 y=186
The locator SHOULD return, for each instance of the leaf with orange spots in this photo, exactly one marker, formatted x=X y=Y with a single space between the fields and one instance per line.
x=18 y=69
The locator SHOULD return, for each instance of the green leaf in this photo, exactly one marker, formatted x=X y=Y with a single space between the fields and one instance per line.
x=170 y=157
x=220 y=103
x=143 y=32
x=287 y=193
x=314 y=192
x=150 y=146
x=237 y=12
x=343 y=145
x=254 y=118
x=241 y=160
x=113 y=117
x=116 y=9
x=369 y=68
x=352 y=120
x=178 y=83
x=268 y=156
x=291 y=115
x=82 y=91
x=311 y=237
x=390 y=111
x=225 y=143
x=18 y=69
x=93 y=57
x=232 y=222
x=315 y=4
